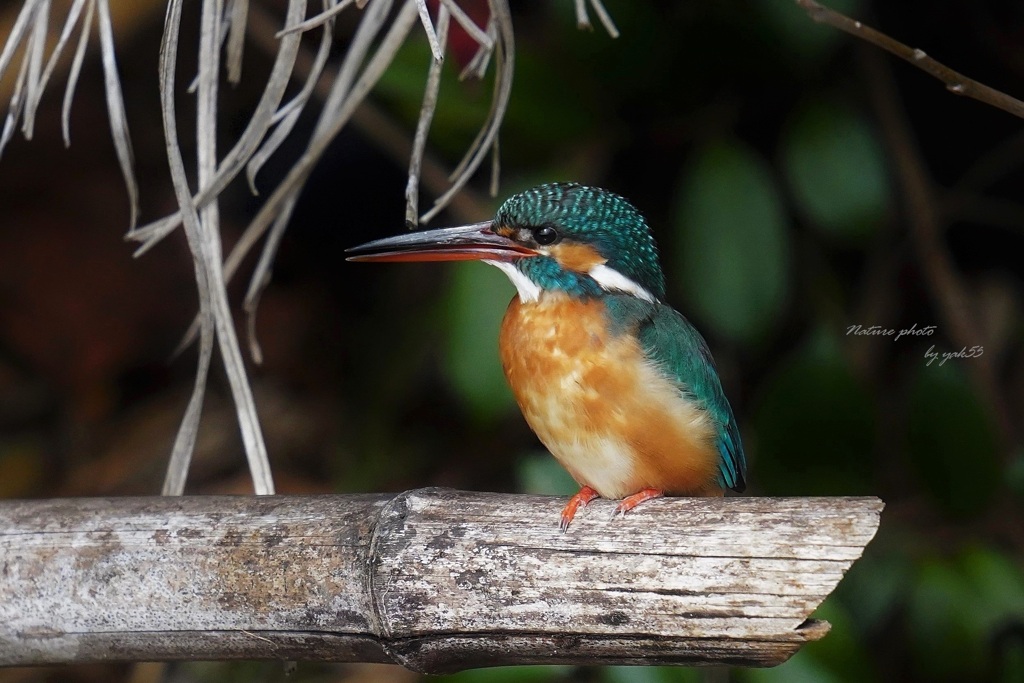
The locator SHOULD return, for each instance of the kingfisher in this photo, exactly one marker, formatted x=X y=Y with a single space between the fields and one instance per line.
x=618 y=385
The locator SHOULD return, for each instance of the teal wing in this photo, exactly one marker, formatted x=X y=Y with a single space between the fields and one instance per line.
x=675 y=346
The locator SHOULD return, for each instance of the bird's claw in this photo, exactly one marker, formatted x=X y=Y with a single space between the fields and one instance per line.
x=582 y=497
x=630 y=502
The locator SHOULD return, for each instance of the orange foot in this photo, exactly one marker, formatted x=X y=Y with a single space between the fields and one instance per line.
x=584 y=496
x=630 y=502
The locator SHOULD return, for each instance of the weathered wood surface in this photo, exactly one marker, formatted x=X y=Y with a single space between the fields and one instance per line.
x=433 y=579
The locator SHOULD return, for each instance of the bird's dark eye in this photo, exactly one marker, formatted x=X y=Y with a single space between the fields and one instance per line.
x=545 y=235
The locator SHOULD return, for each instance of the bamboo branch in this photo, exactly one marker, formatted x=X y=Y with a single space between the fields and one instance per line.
x=433 y=579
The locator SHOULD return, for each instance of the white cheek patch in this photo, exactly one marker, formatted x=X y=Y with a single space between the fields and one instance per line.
x=612 y=280
x=607 y=278
x=527 y=288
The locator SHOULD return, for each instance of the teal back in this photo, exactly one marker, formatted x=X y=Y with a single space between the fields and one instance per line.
x=676 y=348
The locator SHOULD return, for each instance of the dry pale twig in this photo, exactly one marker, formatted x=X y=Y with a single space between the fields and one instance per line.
x=32 y=13
x=288 y=115
x=412 y=187
x=340 y=105
x=505 y=49
x=115 y=108
x=206 y=128
x=223 y=26
x=319 y=20
x=428 y=28
x=73 y=73
x=184 y=443
x=202 y=231
x=342 y=101
x=30 y=30
x=370 y=119
x=238 y=11
x=277 y=209
x=243 y=150
x=481 y=36
x=583 y=19
x=477 y=66
x=955 y=81
x=33 y=75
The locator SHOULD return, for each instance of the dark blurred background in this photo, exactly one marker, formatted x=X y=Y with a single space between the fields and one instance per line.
x=804 y=188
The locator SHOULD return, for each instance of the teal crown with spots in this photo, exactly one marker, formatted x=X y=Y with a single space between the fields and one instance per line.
x=592 y=216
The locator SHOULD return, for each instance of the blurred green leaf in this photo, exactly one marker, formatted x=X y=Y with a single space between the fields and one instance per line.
x=1010 y=665
x=800 y=668
x=839 y=657
x=814 y=426
x=540 y=87
x=509 y=674
x=875 y=587
x=945 y=644
x=462 y=106
x=966 y=615
x=630 y=69
x=540 y=473
x=842 y=651
x=475 y=304
x=998 y=587
x=837 y=170
x=733 y=247
x=952 y=441
x=1015 y=472
x=650 y=674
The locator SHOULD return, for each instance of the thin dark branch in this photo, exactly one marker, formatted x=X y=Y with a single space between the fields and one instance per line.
x=955 y=81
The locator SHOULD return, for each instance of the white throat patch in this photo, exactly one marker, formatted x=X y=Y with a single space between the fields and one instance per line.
x=609 y=279
x=527 y=288
x=612 y=280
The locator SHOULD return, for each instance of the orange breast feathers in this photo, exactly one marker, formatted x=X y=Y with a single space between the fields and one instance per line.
x=611 y=418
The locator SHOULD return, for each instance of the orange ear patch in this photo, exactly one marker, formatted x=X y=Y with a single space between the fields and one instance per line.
x=577 y=257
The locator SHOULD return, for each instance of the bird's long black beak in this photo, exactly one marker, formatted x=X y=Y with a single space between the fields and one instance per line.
x=465 y=243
